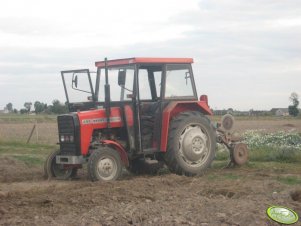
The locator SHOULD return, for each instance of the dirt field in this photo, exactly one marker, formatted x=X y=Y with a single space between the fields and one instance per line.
x=269 y=125
x=236 y=196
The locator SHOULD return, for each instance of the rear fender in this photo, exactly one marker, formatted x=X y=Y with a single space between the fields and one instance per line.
x=122 y=153
x=173 y=109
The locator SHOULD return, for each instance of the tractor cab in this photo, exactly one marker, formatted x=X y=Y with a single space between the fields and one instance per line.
x=131 y=110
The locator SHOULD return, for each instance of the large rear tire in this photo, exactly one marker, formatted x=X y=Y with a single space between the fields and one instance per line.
x=104 y=165
x=191 y=144
x=58 y=171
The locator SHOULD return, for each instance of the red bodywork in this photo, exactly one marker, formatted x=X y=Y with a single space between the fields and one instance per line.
x=96 y=119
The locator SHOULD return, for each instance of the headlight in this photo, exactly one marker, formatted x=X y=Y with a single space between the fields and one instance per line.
x=67 y=138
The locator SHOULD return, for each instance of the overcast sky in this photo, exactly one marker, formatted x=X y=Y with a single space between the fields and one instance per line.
x=247 y=53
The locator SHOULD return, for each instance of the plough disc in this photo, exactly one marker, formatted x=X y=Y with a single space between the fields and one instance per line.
x=240 y=154
x=227 y=122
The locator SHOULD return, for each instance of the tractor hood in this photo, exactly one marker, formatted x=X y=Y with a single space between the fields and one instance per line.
x=96 y=119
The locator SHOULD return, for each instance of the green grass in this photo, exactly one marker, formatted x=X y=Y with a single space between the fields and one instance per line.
x=30 y=160
x=269 y=154
x=18 y=118
x=222 y=155
x=276 y=167
x=23 y=148
x=289 y=180
x=231 y=176
x=30 y=154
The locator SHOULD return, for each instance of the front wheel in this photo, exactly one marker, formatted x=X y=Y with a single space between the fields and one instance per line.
x=104 y=165
x=191 y=144
x=58 y=171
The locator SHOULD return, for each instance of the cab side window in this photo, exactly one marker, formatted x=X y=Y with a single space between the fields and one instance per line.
x=178 y=81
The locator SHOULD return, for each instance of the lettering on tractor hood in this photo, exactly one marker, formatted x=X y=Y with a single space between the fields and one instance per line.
x=100 y=120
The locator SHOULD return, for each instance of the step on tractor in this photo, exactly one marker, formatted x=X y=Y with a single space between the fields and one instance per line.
x=139 y=114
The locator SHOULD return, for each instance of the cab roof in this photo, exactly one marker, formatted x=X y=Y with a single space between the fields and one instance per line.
x=146 y=60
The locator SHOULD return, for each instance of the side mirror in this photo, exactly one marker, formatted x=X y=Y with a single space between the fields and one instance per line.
x=74 y=81
x=121 y=77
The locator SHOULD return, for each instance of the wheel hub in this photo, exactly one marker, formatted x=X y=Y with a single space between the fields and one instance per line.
x=106 y=168
x=193 y=144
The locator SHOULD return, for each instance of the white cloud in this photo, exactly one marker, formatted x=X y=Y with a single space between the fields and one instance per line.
x=247 y=53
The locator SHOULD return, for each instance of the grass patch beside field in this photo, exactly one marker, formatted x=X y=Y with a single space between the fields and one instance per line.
x=30 y=154
x=25 y=118
x=23 y=148
x=30 y=160
x=289 y=180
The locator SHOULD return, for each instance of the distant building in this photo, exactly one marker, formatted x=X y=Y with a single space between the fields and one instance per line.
x=258 y=112
x=280 y=111
x=4 y=111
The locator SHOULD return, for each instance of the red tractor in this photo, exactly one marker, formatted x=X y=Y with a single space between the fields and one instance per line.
x=129 y=112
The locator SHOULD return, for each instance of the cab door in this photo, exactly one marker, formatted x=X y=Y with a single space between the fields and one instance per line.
x=149 y=81
x=78 y=85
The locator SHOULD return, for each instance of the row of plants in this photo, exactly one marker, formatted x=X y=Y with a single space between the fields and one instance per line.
x=281 y=139
x=279 y=146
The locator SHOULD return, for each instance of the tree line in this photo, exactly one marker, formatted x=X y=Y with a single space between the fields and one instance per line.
x=39 y=108
x=60 y=108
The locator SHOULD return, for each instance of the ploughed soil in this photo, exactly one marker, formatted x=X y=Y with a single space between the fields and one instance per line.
x=234 y=196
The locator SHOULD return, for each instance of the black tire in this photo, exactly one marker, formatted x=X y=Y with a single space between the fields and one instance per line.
x=109 y=169
x=191 y=144
x=57 y=171
x=141 y=167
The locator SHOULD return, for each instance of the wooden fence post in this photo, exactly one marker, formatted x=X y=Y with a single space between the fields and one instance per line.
x=33 y=128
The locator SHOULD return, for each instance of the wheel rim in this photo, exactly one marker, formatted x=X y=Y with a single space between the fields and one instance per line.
x=194 y=145
x=107 y=168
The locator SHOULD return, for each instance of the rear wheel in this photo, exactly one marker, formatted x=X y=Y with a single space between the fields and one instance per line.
x=58 y=171
x=191 y=144
x=104 y=165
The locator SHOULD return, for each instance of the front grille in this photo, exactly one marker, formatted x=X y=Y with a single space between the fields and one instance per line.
x=69 y=125
x=66 y=124
x=68 y=149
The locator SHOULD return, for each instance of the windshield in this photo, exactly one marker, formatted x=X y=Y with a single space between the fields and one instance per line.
x=79 y=85
x=117 y=92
